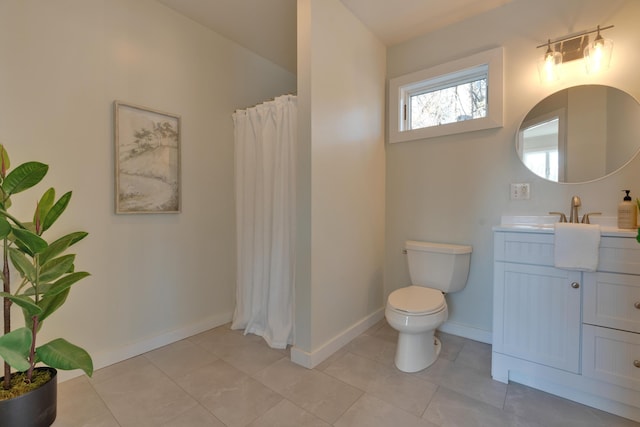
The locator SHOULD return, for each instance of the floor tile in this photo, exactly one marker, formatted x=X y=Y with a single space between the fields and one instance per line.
x=329 y=360
x=452 y=409
x=180 y=357
x=474 y=384
x=405 y=391
x=476 y=355
x=196 y=417
x=386 y=332
x=228 y=393
x=249 y=353
x=225 y=378
x=80 y=405
x=143 y=396
x=451 y=345
x=370 y=411
x=374 y=348
x=121 y=368
x=322 y=395
x=286 y=414
x=282 y=375
x=550 y=410
x=436 y=372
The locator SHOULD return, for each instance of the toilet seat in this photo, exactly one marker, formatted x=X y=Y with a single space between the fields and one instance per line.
x=416 y=300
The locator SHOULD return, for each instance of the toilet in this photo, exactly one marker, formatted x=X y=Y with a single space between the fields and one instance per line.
x=416 y=311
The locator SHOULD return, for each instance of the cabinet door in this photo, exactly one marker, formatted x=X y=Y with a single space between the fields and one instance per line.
x=612 y=300
x=537 y=314
x=611 y=355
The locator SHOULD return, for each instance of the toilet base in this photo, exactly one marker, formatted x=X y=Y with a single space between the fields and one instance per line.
x=416 y=352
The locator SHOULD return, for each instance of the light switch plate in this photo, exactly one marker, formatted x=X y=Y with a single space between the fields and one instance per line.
x=520 y=191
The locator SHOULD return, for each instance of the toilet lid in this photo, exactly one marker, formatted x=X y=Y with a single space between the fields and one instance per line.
x=416 y=300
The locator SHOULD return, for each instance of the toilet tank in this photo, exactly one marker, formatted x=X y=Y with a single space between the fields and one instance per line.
x=438 y=265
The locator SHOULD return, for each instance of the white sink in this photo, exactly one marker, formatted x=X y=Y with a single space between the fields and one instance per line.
x=546 y=223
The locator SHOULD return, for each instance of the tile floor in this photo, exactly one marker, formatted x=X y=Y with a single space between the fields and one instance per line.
x=222 y=378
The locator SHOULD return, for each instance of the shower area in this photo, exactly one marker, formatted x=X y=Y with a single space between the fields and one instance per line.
x=265 y=184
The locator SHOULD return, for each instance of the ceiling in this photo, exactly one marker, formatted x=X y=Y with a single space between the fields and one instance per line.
x=268 y=28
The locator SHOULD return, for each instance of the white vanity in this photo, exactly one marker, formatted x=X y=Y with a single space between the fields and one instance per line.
x=570 y=333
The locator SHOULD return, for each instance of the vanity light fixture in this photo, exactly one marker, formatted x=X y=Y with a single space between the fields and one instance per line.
x=549 y=65
x=597 y=54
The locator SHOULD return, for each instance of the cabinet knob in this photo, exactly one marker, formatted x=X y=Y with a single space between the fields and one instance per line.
x=637 y=305
x=575 y=285
x=636 y=363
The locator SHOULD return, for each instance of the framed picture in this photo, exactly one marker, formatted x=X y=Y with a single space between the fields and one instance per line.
x=147 y=160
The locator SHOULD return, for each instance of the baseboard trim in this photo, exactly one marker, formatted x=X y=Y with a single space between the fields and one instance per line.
x=466 y=331
x=106 y=358
x=314 y=358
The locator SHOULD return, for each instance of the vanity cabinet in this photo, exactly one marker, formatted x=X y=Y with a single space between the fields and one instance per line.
x=574 y=334
x=539 y=312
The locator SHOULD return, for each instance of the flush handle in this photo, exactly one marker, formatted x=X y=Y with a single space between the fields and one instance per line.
x=637 y=305
x=575 y=285
x=636 y=363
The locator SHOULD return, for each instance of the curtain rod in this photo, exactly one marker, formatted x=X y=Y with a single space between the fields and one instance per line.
x=268 y=100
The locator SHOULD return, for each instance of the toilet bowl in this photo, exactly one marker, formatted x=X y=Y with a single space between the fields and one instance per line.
x=416 y=311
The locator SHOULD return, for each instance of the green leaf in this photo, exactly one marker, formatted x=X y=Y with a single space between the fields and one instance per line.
x=65 y=283
x=61 y=245
x=50 y=304
x=31 y=240
x=5 y=228
x=55 y=211
x=5 y=164
x=29 y=308
x=23 y=177
x=56 y=267
x=61 y=354
x=44 y=205
x=22 y=264
x=14 y=348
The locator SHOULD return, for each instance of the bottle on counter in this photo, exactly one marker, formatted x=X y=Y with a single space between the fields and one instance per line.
x=627 y=213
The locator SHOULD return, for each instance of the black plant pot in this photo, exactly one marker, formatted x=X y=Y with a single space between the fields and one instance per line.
x=34 y=409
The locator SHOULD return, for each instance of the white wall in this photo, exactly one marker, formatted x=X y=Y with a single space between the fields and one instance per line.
x=454 y=189
x=155 y=278
x=341 y=74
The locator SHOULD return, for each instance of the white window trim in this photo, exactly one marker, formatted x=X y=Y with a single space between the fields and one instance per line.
x=494 y=118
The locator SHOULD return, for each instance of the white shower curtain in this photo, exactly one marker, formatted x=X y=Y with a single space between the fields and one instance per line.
x=265 y=140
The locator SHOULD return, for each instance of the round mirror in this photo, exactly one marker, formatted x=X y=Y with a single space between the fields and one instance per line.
x=580 y=134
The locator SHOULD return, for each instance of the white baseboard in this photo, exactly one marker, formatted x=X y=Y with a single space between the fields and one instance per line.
x=466 y=331
x=313 y=359
x=106 y=358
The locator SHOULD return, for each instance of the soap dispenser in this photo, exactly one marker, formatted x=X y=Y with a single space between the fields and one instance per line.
x=627 y=213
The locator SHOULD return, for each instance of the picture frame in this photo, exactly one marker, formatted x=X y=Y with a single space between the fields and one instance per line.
x=147 y=160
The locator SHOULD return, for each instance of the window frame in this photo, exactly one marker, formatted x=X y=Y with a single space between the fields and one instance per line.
x=559 y=114
x=400 y=89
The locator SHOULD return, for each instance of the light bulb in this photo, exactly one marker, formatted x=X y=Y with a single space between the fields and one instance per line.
x=549 y=64
x=598 y=54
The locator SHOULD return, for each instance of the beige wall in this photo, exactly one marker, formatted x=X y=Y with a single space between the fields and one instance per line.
x=455 y=188
x=341 y=74
x=155 y=278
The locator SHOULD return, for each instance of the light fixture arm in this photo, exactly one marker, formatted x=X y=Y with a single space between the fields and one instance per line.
x=575 y=36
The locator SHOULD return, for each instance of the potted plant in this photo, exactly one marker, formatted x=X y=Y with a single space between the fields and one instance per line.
x=45 y=274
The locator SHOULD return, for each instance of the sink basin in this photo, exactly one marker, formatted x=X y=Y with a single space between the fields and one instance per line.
x=546 y=224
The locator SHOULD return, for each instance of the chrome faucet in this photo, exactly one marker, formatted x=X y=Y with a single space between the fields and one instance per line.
x=575 y=204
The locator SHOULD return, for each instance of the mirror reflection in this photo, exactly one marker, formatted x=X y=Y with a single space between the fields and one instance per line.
x=580 y=134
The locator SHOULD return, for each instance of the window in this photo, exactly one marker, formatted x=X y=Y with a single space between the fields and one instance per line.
x=455 y=97
x=542 y=144
x=542 y=160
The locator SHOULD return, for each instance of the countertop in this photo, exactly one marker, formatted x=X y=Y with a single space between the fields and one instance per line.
x=545 y=224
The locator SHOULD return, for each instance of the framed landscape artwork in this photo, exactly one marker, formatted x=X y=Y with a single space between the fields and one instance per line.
x=147 y=160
